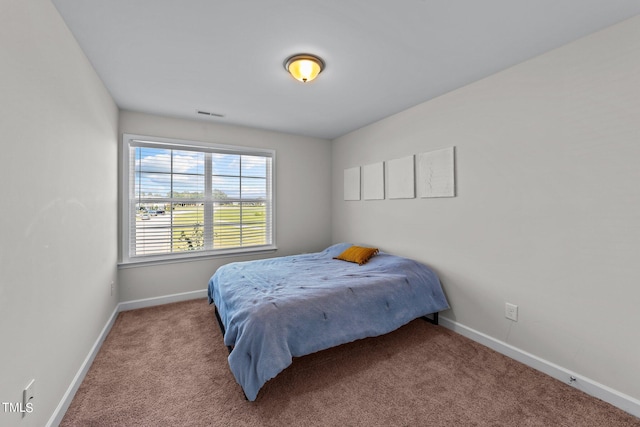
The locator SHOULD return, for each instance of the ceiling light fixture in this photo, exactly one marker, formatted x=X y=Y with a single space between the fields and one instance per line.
x=304 y=67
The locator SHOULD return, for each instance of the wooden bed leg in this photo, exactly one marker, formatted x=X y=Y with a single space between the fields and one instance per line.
x=433 y=319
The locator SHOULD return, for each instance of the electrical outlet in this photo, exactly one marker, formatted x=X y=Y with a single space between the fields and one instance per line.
x=511 y=311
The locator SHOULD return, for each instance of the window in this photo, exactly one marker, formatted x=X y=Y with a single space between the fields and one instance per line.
x=183 y=199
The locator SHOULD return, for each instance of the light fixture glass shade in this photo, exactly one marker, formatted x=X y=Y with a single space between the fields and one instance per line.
x=304 y=67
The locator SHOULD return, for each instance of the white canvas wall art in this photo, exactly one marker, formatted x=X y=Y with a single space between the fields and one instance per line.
x=352 y=183
x=436 y=173
x=401 y=178
x=373 y=181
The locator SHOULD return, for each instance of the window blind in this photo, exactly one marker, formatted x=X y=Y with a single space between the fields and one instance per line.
x=188 y=199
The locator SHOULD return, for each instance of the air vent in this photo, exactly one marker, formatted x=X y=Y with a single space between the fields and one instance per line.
x=206 y=113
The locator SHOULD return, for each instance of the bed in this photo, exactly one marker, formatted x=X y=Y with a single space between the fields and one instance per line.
x=275 y=309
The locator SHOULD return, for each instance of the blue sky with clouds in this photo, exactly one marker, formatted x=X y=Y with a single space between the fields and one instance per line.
x=157 y=169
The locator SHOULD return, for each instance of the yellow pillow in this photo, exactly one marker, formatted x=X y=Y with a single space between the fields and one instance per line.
x=357 y=254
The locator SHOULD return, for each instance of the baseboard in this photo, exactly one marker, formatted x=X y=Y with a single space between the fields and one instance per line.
x=167 y=299
x=587 y=385
x=58 y=414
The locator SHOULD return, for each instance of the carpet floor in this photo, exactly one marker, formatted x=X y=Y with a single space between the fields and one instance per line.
x=167 y=366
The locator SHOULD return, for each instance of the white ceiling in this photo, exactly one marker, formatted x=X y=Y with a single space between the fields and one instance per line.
x=174 y=57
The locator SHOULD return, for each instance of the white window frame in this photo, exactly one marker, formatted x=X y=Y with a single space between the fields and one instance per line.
x=171 y=143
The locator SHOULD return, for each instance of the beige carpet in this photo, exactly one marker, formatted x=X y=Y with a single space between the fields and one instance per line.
x=167 y=366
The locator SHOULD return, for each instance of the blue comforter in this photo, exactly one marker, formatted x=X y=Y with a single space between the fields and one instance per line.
x=280 y=308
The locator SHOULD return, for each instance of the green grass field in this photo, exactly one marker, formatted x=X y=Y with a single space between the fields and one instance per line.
x=188 y=229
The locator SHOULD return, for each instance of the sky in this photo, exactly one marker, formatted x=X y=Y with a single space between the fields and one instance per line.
x=154 y=174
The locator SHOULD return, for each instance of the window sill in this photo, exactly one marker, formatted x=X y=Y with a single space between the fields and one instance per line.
x=148 y=261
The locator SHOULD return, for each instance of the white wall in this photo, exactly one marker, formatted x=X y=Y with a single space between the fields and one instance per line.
x=547 y=212
x=303 y=198
x=58 y=229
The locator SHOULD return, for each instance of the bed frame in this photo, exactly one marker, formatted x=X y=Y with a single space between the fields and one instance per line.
x=433 y=319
